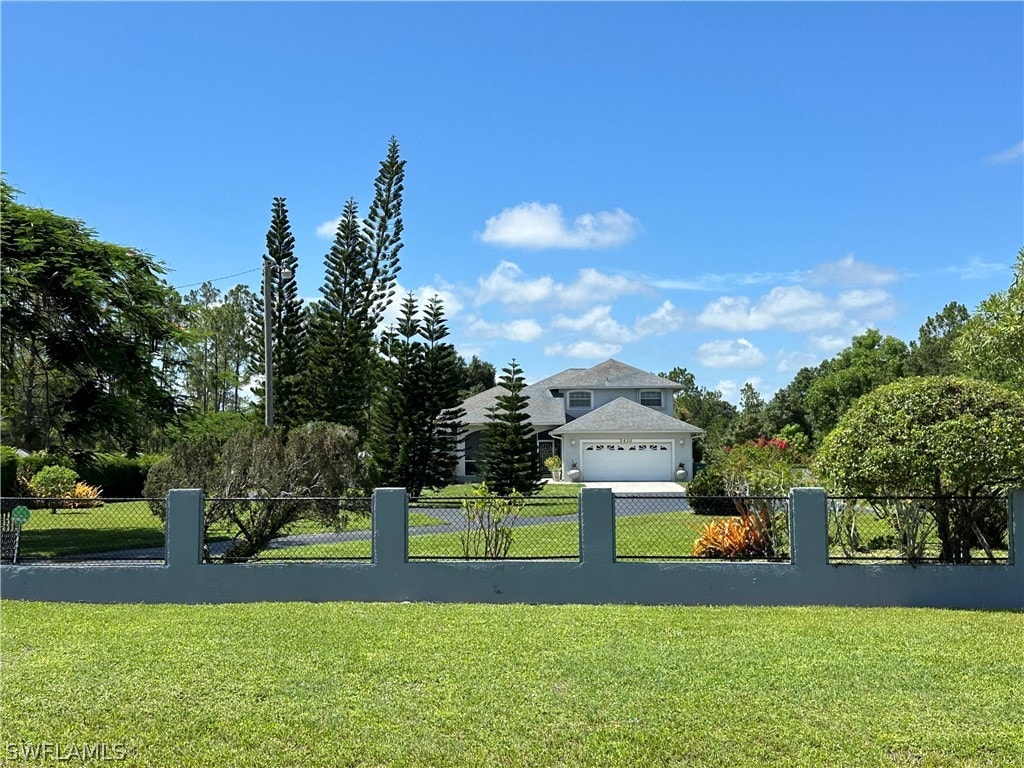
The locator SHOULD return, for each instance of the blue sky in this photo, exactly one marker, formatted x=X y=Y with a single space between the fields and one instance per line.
x=733 y=188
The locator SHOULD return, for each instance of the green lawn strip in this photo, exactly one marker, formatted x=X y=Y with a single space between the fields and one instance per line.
x=113 y=526
x=478 y=685
x=553 y=499
x=667 y=534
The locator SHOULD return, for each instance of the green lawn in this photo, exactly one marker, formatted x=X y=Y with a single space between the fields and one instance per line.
x=553 y=499
x=669 y=534
x=113 y=526
x=423 y=685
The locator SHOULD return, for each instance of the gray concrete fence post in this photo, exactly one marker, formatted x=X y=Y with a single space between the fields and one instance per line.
x=808 y=527
x=1015 y=531
x=184 y=529
x=390 y=526
x=597 y=526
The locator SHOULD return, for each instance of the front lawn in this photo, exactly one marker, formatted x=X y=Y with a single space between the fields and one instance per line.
x=477 y=685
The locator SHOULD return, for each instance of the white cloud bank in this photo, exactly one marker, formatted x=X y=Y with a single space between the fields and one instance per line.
x=1011 y=155
x=509 y=285
x=848 y=271
x=533 y=225
x=738 y=353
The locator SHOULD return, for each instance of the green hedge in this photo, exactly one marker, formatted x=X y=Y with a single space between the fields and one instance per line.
x=8 y=471
x=119 y=477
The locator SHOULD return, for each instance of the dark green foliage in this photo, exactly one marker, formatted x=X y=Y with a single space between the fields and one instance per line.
x=870 y=361
x=751 y=423
x=704 y=408
x=340 y=380
x=415 y=418
x=706 y=492
x=476 y=376
x=511 y=458
x=8 y=471
x=118 y=476
x=30 y=465
x=84 y=324
x=954 y=439
x=314 y=460
x=932 y=353
x=361 y=271
x=287 y=323
x=789 y=405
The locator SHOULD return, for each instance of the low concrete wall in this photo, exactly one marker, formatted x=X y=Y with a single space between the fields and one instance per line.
x=808 y=579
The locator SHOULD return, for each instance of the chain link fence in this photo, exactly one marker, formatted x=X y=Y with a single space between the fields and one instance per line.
x=494 y=527
x=675 y=527
x=63 y=530
x=288 y=528
x=918 y=529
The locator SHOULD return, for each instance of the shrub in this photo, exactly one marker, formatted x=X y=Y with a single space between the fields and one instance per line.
x=732 y=537
x=706 y=491
x=29 y=466
x=119 y=476
x=957 y=441
x=8 y=471
x=489 y=523
x=84 y=495
x=53 y=482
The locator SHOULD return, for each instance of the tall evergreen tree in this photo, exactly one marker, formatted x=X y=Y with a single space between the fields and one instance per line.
x=414 y=439
x=440 y=386
x=382 y=232
x=219 y=349
x=397 y=417
x=361 y=271
x=288 y=322
x=341 y=334
x=511 y=457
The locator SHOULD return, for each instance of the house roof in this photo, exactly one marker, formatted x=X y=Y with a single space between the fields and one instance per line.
x=622 y=415
x=611 y=374
x=544 y=409
x=547 y=410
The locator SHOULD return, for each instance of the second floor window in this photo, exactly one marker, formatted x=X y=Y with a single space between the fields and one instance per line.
x=579 y=400
x=651 y=398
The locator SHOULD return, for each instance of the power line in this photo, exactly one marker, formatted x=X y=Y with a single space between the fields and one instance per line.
x=217 y=279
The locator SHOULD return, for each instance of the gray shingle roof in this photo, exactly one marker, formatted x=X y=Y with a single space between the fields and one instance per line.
x=622 y=415
x=613 y=374
x=544 y=410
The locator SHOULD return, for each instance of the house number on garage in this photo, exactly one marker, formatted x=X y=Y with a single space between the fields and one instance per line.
x=625 y=440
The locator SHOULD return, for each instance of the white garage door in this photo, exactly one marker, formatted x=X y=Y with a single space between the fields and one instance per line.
x=627 y=460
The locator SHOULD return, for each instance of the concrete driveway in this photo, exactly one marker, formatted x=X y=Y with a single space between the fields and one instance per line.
x=630 y=488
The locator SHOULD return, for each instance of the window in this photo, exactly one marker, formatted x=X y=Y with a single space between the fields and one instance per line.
x=579 y=400
x=651 y=398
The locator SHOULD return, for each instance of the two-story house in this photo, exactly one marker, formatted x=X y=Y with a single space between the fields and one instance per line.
x=612 y=422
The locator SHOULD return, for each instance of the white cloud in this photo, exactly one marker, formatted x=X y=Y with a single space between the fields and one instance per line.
x=719 y=282
x=792 y=308
x=729 y=390
x=590 y=350
x=829 y=344
x=533 y=225
x=979 y=269
x=328 y=229
x=505 y=284
x=515 y=330
x=862 y=299
x=738 y=353
x=597 y=322
x=791 y=362
x=848 y=271
x=1011 y=155
x=509 y=285
x=665 y=319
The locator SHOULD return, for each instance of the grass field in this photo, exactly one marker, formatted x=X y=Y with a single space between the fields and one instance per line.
x=476 y=685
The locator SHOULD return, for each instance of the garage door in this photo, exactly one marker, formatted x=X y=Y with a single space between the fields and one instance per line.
x=627 y=460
